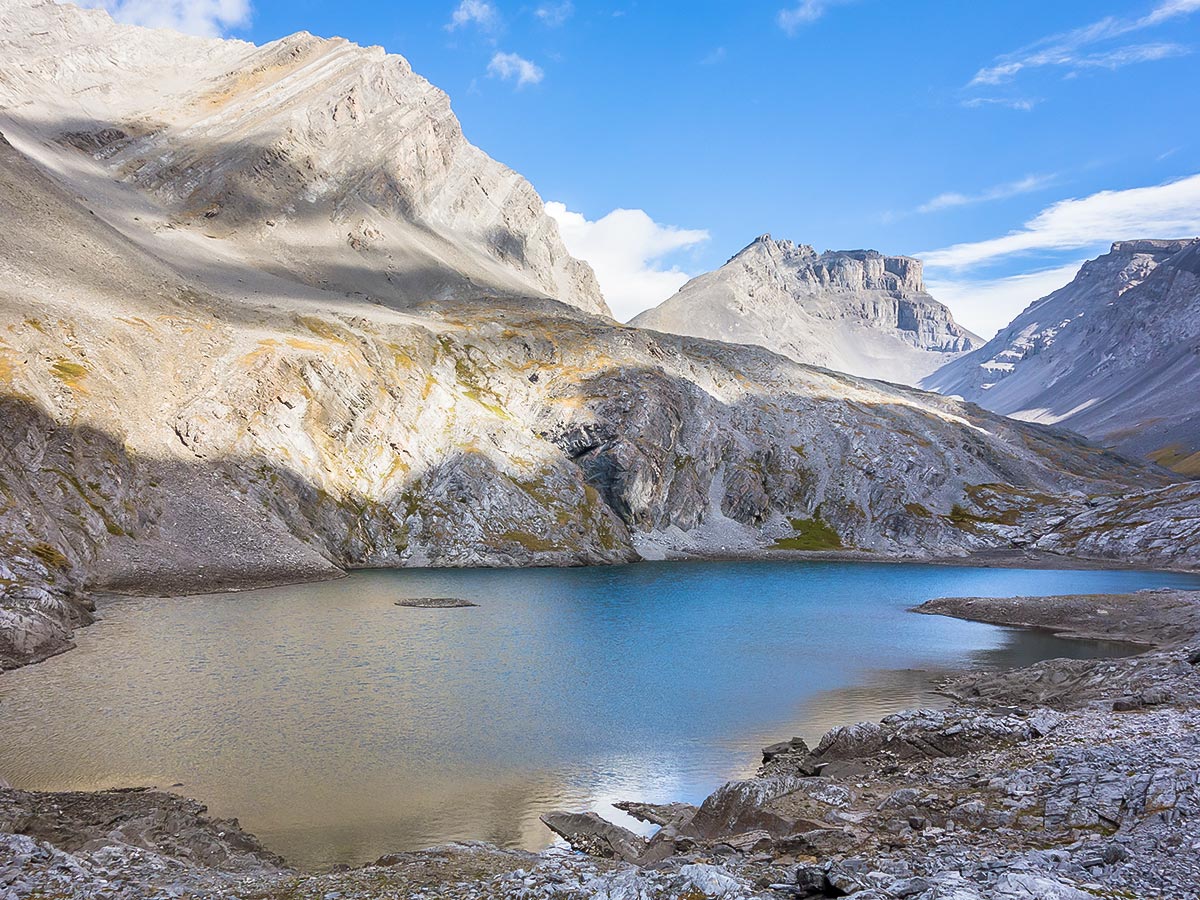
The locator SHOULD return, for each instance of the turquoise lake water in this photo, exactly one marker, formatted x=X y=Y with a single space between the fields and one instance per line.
x=338 y=726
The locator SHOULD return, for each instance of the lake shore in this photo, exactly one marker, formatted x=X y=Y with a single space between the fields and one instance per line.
x=1065 y=779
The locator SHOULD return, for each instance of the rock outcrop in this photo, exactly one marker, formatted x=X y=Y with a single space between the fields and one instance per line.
x=855 y=311
x=1114 y=355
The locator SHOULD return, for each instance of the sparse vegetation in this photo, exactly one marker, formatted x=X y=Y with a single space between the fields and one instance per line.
x=811 y=534
x=50 y=555
x=68 y=372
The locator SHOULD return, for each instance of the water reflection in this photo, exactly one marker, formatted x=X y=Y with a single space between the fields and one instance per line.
x=340 y=727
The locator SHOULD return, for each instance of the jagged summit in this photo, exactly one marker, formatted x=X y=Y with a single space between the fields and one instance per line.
x=858 y=311
x=316 y=157
x=1115 y=354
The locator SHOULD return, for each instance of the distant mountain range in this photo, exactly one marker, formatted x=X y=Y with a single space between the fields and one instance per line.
x=1115 y=355
x=854 y=311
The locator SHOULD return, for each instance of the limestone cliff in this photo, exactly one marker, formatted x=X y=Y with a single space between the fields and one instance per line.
x=855 y=311
x=1114 y=355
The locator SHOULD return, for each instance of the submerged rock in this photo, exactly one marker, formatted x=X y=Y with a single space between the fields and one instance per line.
x=436 y=603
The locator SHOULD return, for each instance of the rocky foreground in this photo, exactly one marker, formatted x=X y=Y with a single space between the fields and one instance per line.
x=1067 y=780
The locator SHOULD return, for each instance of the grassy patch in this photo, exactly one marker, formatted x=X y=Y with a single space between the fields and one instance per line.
x=50 y=555
x=530 y=542
x=810 y=534
x=68 y=372
x=961 y=517
x=917 y=510
x=1179 y=459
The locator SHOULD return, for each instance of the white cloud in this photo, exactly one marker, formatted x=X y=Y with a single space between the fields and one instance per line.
x=1165 y=210
x=1170 y=10
x=626 y=248
x=1022 y=104
x=208 y=18
x=511 y=67
x=1027 y=185
x=987 y=305
x=716 y=56
x=479 y=13
x=1069 y=49
x=804 y=13
x=555 y=15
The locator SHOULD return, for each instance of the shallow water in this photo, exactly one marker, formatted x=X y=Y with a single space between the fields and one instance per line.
x=338 y=726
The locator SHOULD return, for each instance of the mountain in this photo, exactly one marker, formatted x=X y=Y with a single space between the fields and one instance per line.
x=330 y=163
x=854 y=311
x=191 y=402
x=1114 y=355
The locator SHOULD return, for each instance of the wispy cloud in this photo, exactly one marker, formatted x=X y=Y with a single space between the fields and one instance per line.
x=479 y=13
x=627 y=249
x=1022 y=104
x=208 y=18
x=1164 y=210
x=793 y=18
x=511 y=67
x=1170 y=9
x=715 y=56
x=555 y=15
x=1072 y=50
x=1027 y=185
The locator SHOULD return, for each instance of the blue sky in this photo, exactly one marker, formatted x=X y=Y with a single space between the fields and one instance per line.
x=1004 y=140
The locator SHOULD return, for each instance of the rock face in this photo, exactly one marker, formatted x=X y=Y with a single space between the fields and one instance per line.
x=333 y=163
x=1114 y=355
x=183 y=411
x=854 y=311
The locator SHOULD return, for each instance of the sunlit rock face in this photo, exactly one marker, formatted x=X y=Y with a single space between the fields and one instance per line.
x=1114 y=355
x=854 y=311
x=241 y=345
x=330 y=161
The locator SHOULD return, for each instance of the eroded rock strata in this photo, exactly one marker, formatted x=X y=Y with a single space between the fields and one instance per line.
x=1067 y=780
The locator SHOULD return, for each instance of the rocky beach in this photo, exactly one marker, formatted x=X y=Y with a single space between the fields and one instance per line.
x=1065 y=780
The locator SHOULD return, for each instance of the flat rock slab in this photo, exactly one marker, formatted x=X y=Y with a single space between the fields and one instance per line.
x=436 y=603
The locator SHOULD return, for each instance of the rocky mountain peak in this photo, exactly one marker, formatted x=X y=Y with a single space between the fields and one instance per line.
x=858 y=311
x=318 y=157
x=837 y=269
x=1112 y=355
x=1160 y=248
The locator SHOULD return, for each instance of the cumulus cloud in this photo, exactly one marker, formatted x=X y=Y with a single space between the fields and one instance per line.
x=555 y=15
x=207 y=18
x=1071 y=50
x=479 y=13
x=627 y=249
x=511 y=67
x=793 y=18
x=1027 y=185
x=986 y=305
x=1165 y=210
